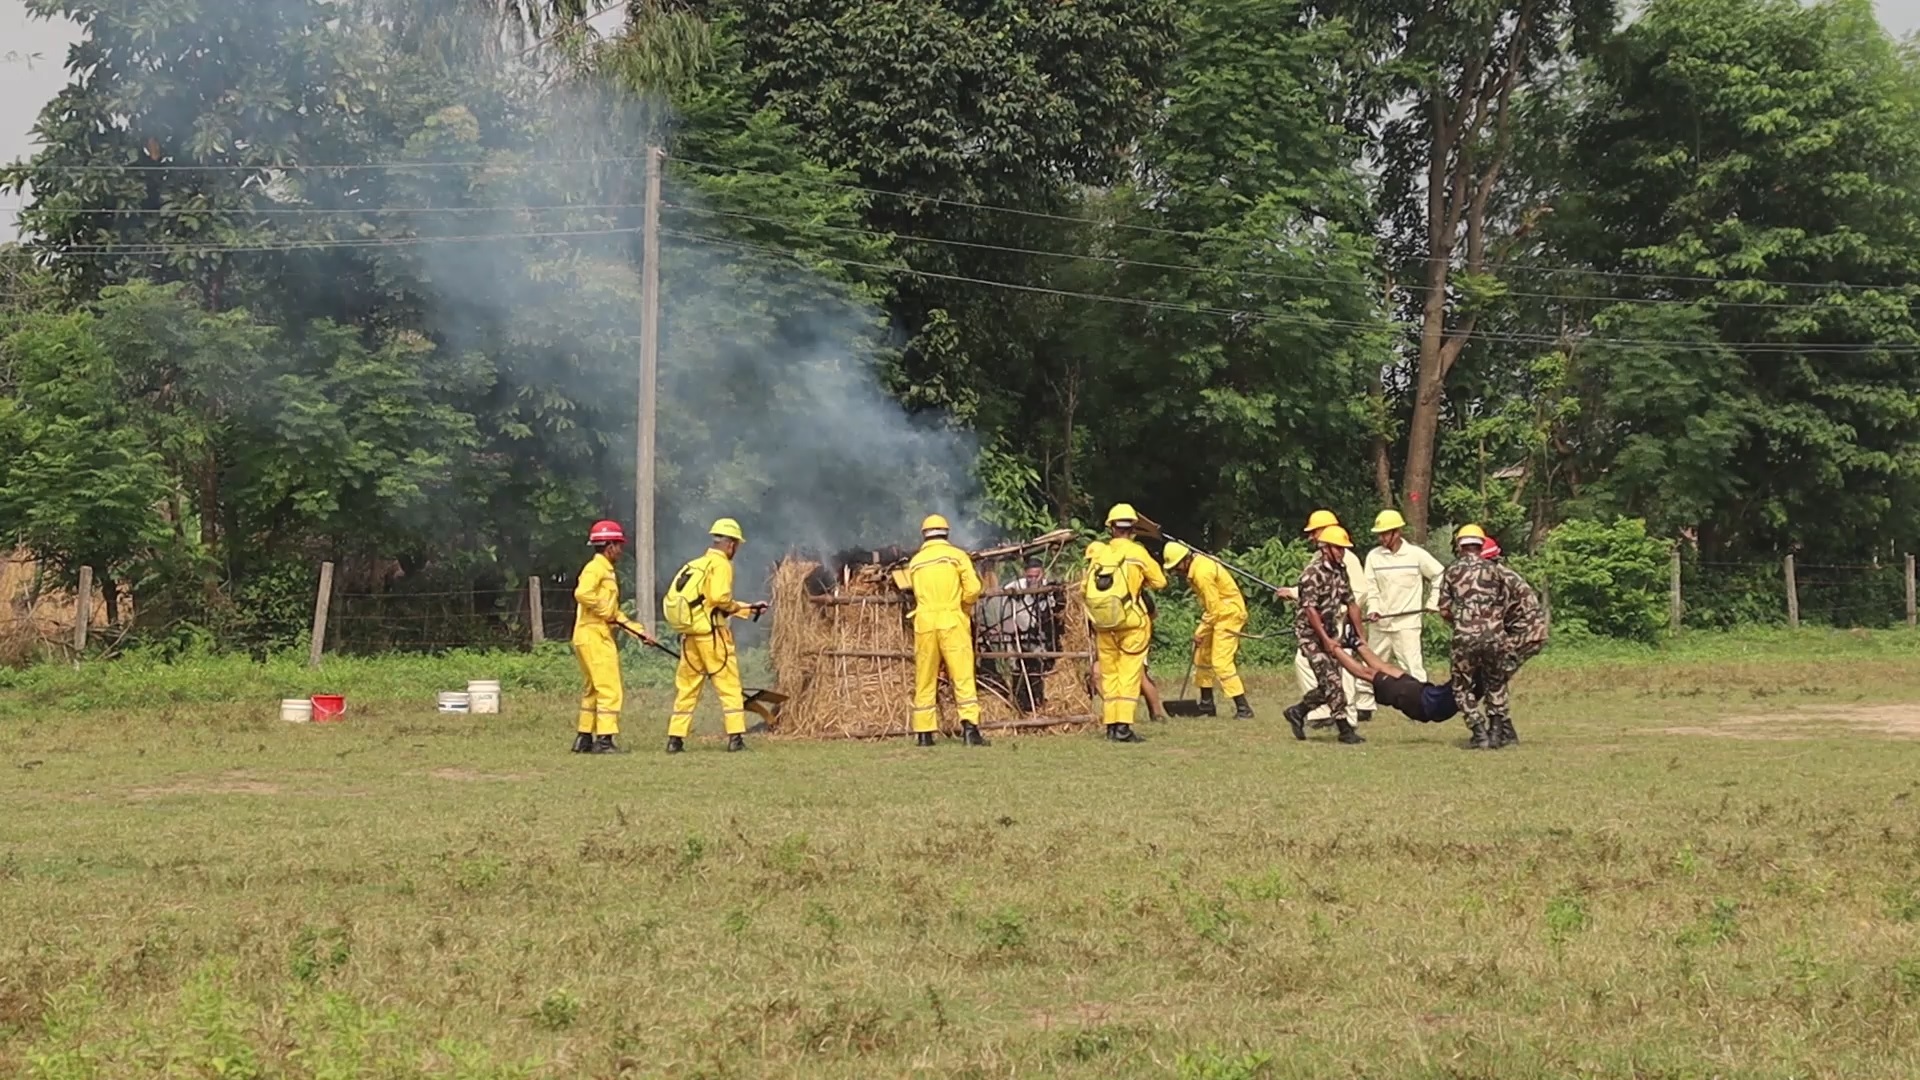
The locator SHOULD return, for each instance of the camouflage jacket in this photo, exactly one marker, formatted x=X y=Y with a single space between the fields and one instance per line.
x=1477 y=595
x=1323 y=588
x=1525 y=618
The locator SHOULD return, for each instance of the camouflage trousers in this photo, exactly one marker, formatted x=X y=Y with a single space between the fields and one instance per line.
x=1520 y=650
x=1481 y=667
x=1327 y=689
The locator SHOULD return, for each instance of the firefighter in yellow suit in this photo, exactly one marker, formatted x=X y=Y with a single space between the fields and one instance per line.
x=1223 y=618
x=945 y=586
x=1122 y=652
x=596 y=616
x=706 y=646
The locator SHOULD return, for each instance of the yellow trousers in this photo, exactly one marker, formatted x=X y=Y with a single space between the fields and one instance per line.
x=1122 y=657
x=952 y=647
x=600 y=703
x=1214 y=650
x=703 y=659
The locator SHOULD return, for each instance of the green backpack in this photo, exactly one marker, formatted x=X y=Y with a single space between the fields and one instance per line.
x=1111 y=604
x=685 y=605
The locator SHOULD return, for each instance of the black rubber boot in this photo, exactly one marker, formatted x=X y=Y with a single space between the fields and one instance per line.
x=1123 y=733
x=1366 y=715
x=604 y=744
x=583 y=742
x=1479 y=740
x=675 y=744
x=1242 y=710
x=736 y=743
x=1206 y=701
x=1297 y=720
x=1348 y=735
x=923 y=738
x=971 y=734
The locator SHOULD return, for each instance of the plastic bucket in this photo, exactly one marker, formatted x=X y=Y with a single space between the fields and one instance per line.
x=455 y=701
x=483 y=696
x=296 y=710
x=328 y=707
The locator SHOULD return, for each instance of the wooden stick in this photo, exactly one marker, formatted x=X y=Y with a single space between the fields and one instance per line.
x=1676 y=610
x=83 y=612
x=322 y=597
x=1912 y=610
x=536 y=613
x=1793 y=597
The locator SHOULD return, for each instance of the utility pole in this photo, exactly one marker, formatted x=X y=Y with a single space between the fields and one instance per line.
x=643 y=591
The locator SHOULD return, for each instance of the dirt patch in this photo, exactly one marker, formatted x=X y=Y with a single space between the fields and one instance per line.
x=1897 y=721
x=475 y=776
x=230 y=783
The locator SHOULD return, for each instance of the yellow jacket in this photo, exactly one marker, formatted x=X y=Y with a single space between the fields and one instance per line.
x=716 y=588
x=1142 y=570
x=944 y=586
x=1220 y=598
x=597 y=601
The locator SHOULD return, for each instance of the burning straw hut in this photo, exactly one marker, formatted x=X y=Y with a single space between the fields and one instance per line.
x=843 y=643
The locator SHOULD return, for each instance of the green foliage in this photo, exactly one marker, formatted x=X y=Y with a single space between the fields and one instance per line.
x=1606 y=578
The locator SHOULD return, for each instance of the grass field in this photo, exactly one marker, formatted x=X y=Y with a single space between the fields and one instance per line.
x=1701 y=863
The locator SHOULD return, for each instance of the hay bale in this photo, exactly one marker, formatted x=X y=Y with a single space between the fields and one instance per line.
x=846 y=658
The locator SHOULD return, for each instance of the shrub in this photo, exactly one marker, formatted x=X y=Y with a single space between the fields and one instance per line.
x=1610 y=576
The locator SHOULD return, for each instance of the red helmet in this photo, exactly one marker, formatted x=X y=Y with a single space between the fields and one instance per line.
x=1490 y=549
x=607 y=532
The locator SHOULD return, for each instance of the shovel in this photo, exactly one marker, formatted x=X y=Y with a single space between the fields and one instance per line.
x=764 y=704
x=1183 y=705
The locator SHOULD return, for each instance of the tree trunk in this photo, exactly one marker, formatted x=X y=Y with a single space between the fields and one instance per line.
x=1423 y=429
x=111 y=591
x=1382 y=468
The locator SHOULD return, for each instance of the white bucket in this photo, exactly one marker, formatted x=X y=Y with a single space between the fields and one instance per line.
x=484 y=696
x=296 y=710
x=454 y=701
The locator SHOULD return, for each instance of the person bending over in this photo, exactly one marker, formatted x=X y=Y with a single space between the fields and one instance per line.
x=1421 y=701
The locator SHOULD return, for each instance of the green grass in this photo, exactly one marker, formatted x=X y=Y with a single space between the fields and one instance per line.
x=190 y=888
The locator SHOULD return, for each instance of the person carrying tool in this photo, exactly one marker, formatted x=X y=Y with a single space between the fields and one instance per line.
x=945 y=587
x=1362 y=588
x=596 y=615
x=1399 y=573
x=1223 y=618
x=1326 y=603
x=1119 y=572
x=698 y=603
x=1475 y=596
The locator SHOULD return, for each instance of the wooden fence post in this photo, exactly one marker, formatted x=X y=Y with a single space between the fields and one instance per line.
x=82 y=612
x=322 y=597
x=1912 y=611
x=1676 y=608
x=535 y=612
x=1793 y=597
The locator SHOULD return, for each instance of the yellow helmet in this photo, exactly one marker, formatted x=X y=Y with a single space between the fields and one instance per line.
x=1122 y=512
x=1470 y=534
x=1335 y=535
x=1388 y=520
x=1174 y=553
x=934 y=523
x=728 y=529
x=1320 y=519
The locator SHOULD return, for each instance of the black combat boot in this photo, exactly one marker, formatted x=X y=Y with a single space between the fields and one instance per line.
x=583 y=742
x=1242 y=710
x=971 y=734
x=604 y=744
x=1366 y=715
x=1479 y=740
x=923 y=738
x=1297 y=720
x=1347 y=734
x=1206 y=701
x=1503 y=733
x=675 y=744
x=1123 y=733
x=736 y=743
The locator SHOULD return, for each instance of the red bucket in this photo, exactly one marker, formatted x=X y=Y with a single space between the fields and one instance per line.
x=328 y=708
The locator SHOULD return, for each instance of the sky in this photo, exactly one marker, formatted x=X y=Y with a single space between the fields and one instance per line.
x=26 y=83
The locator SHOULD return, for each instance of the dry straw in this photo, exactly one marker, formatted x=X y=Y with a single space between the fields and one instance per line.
x=845 y=658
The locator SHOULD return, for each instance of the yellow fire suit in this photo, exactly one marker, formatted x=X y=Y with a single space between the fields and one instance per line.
x=1400 y=582
x=1363 y=594
x=596 y=616
x=710 y=656
x=944 y=588
x=1122 y=653
x=1223 y=617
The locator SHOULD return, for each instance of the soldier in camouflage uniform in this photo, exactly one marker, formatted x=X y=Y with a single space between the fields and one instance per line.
x=1525 y=625
x=1475 y=596
x=1326 y=601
